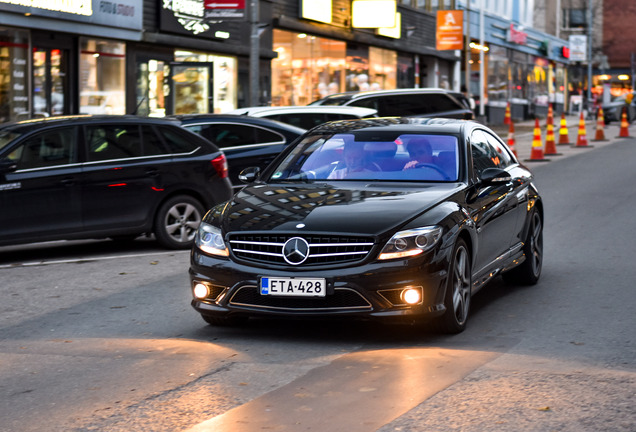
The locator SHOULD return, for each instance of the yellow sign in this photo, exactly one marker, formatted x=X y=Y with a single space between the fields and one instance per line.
x=450 y=30
x=78 y=7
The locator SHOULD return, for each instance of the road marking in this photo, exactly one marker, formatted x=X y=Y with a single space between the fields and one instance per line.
x=78 y=260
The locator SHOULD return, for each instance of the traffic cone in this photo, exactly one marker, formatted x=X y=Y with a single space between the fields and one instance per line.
x=600 y=126
x=507 y=117
x=624 y=132
x=536 y=153
x=564 y=138
x=581 y=139
x=511 y=139
x=550 y=144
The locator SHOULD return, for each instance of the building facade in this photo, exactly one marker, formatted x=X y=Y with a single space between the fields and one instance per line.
x=161 y=57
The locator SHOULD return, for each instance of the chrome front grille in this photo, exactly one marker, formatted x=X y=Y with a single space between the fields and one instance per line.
x=342 y=298
x=323 y=249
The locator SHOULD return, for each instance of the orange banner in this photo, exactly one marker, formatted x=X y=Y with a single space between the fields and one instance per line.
x=450 y=30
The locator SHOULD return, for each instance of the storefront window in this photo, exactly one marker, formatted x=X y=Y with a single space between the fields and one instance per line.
x=357 y=68
x=560 y=83
x=307 y=68
x=519 y=75
x=224 y=78
x=382 y=69
x=14 y=99
x=152 y=88
x=497 y=74
x=538 y=82
x=102 y=77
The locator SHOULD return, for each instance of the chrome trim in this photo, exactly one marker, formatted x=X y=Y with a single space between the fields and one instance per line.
x=230 y=302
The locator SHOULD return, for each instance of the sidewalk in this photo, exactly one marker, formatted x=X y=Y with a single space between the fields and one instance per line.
x=524 y=135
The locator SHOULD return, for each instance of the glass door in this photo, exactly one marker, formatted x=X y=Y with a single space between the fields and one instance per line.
x=191 y=87
x=50 y=82
x=152 y=88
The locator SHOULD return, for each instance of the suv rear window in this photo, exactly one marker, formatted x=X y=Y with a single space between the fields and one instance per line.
x=409 y=104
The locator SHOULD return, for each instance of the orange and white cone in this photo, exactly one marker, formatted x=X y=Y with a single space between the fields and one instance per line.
x=581 y=139
x=564 y=138
x=507 y=117
x=511 y=139
x=624 y=132
x=536 y=153
x=550 y=144
x=600 y=126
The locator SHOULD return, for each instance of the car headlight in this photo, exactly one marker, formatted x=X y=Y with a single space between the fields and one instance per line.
x=411 y=242
x=210 y=240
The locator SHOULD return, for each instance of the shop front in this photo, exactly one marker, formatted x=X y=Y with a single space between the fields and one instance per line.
x=524 y=68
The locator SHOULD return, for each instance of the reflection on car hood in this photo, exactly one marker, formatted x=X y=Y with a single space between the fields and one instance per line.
x=368 y=210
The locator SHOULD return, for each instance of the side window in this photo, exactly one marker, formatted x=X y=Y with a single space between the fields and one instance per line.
x=368 y=103
x=51 y=148
x=484 y=155
x=176 y=142
x=152 y=142
x=107 y=142
x=505 y=160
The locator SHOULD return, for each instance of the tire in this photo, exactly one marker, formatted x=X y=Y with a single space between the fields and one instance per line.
x=528 y=272
x=458 y=291
x=177 y=221
x=224 y=321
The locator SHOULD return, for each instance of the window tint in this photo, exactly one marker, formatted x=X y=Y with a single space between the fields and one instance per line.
x=176 y=142
x=226 y=135
x=51 y=148
x=152 y=142
x=409 y=104
x=485 y=154
x=106 y=142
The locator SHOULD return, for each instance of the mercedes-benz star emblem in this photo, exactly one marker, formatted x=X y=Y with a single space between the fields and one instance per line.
x=295 y=250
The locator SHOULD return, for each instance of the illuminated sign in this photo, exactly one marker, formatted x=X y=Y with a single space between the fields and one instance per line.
x=77 y=7
x=393 y=32
x=517 y=36
x=316 y=10
x=449 y=33
x=225 y=9
x=373 y=13
x=565 y=52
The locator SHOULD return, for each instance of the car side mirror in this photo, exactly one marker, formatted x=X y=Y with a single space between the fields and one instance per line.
x=249 y=175
x=8 y=165
x=491 y=176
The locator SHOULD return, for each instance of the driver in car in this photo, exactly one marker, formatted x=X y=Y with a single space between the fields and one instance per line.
x=420 y=152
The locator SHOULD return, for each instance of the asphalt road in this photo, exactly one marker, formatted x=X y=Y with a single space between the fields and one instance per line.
x=99 y=337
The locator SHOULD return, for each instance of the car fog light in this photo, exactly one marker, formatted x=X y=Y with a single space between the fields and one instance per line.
x=201 y=291
x=412 y=296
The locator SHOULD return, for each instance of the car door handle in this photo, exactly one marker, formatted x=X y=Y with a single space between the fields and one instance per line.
x=68 y=181
x=152 y=172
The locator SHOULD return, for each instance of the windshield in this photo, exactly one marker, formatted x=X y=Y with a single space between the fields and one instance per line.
x=6 y=138
x=372 y=155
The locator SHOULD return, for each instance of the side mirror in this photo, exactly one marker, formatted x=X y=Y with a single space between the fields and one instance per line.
x=491 y=176
x=8 y=165
x=249 y=175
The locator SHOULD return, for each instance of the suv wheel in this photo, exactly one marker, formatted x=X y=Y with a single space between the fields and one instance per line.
x=177 y=222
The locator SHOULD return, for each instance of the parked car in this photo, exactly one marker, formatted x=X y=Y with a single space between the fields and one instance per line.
x=246 y=141
x=391 y=218
x=82 y=177
x=613 y=110
x=416 y=102
x=307 y=116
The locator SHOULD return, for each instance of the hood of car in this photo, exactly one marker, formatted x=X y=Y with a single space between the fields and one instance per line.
x=368 y=210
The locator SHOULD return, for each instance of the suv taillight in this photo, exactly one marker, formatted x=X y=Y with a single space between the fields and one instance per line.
x=220 y=165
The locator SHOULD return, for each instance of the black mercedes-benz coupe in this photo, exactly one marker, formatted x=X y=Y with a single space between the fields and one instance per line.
x=389 y=218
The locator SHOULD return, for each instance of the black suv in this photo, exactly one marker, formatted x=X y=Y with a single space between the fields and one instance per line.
x=106 y=176
x=413 y=102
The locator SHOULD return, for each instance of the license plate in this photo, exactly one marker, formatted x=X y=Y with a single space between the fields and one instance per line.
x=298 y=287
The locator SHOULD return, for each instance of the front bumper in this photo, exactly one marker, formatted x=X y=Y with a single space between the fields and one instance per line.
x=366 y=291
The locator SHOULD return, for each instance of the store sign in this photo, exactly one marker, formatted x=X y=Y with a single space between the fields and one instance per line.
x=373 y=13
x=449 y=33
x=116 y=13
x=516 y=36
x=578 y=47
x=224 y=9
x=316 y=10
x=392 y=32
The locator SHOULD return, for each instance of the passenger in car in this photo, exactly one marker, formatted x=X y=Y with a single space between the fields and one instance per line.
x=420 y=152
x=354 y=161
